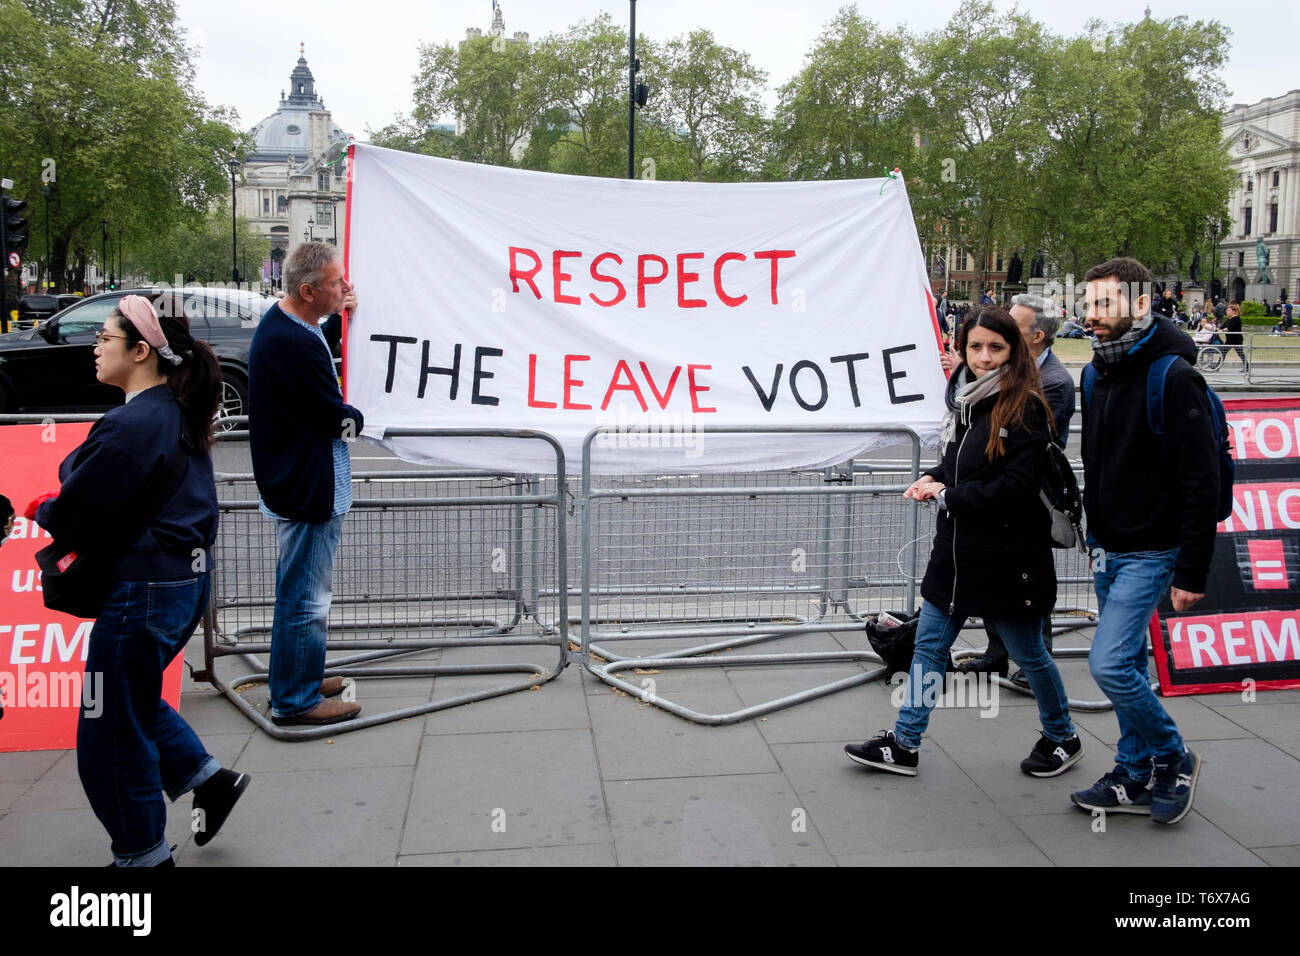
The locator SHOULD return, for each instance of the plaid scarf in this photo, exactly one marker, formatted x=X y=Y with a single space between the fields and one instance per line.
x=1112 y=352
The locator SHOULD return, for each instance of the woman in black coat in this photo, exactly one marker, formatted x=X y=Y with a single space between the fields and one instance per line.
x=140 y=490
x=992 y=554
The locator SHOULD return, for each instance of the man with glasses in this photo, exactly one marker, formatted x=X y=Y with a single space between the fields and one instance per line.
x=299 y=427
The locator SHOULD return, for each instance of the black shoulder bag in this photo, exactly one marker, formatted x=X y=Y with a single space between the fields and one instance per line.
x=79 y=582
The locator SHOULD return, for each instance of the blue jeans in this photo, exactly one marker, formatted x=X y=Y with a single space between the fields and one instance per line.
x=303 y=576
x=935 y=633
x=134 y=746
x=1129 y=585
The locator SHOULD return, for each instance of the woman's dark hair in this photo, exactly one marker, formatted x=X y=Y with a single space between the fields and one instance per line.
x=1020 y=384
x=196 y=382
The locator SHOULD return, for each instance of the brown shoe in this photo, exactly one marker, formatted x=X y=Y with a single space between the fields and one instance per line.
x=326 y=712
x=331 y=686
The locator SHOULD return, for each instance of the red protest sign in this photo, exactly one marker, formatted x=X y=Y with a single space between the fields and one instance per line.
x=42 y=652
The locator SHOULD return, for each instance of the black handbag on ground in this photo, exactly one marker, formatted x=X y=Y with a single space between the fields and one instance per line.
x=79 y=582
x=892 y=636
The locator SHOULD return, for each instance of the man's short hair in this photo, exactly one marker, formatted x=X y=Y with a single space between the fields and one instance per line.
x=1131 y=274
x=1045 y=319
x=306 y=265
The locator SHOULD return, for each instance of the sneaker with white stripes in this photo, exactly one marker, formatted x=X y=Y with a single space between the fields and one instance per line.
x=1051 y=757
x=884 y=753
x=1116 y=792
x=1175 y=784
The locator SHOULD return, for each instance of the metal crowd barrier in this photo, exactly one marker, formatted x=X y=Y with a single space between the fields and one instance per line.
x=429 y=560
x=691 y=564
x=736 y=560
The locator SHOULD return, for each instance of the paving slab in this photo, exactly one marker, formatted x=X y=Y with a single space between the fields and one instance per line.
x=310 y=818
x=1279 y=855
x=555 y=705
x=989 y=856
x=27 y=765
x=859 y=810
x=591 y=854
x=1248 y=789
x=505 y=791
x=637 y=741
x=989 y=751
x=1068 y=839
x=735 y=820
x=392 y=744
x=1195 y=721
x=1279 y=724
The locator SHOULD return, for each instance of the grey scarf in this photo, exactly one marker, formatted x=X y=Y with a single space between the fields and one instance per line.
x=1112 y=352
x=968 y=393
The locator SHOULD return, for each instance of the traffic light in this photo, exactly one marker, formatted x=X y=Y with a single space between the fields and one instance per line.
x=15 y=226
x=112 y=281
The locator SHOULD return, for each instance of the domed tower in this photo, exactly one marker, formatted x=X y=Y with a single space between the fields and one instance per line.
x=294 y=181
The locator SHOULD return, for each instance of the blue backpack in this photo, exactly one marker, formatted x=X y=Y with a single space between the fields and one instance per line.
x=1156 y=376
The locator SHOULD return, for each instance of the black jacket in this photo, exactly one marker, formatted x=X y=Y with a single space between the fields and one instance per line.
x=105 y=491
x=1141 y=492
x=1058 y=389
x=992 y=554
x=295 y=412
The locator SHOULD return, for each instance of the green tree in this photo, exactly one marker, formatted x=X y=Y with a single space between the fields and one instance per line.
x=586 y=70
x=491 y=87
x=712 y=98
x=982 y=125
x=104 y=88
x=849 y=113
x=200 y=250
x=1136 y=164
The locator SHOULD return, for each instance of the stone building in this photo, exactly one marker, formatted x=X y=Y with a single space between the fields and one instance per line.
x=1264 y=141
x=294 y=184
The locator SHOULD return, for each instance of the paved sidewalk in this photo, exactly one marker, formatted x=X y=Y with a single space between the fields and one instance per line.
x=574 y=773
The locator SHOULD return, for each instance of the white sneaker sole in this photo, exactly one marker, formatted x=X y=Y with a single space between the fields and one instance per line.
x=1138 y=809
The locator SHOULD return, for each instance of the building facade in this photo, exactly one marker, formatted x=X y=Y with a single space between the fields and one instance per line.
x=1264 y=141
x=295 y=181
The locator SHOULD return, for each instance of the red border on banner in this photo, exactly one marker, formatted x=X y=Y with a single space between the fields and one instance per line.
x=1167 y=687
x=934 y=322
x=347 y=248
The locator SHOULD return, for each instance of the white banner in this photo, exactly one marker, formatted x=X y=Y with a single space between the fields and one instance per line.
x=500 y=298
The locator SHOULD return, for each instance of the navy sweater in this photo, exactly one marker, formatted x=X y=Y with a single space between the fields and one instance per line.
x=295 y=411
x=106 y=487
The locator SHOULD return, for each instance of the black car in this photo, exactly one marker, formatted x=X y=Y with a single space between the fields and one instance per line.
x=52 y=368
x=35 y=308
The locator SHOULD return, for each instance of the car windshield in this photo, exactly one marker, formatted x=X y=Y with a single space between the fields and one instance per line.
x=41 y=302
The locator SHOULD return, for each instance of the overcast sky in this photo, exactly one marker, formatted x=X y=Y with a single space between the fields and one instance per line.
x=363 y=54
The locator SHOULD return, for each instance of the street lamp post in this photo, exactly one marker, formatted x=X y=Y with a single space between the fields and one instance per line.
x=120 y=278
x=311 y=230
x=631 y=94
x=103 y=252
x=233 y=164
x=46 y=190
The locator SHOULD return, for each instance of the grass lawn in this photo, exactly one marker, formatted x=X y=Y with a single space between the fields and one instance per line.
x=1267 y=348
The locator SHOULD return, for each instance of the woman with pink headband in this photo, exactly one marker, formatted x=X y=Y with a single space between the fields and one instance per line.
x=141 y=487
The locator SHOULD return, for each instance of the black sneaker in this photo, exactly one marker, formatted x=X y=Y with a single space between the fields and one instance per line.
x=1049 y=758
x=1175 y=783
x=1019 y=679
x=1116 y=792
x=984 y=664
x=884 y=753
x=215 y=798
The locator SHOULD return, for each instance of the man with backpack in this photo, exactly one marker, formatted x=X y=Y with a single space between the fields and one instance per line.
x=1152 y=477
